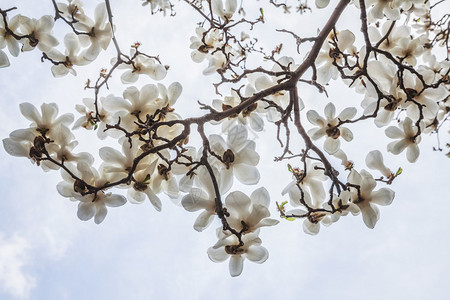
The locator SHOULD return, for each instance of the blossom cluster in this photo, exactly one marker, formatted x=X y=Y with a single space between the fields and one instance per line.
x=81 y=46
x=403 y=84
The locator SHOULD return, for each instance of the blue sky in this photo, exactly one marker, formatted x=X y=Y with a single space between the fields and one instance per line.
x=138 y=253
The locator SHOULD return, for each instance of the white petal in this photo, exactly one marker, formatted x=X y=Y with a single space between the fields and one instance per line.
x=346 y=38
x=238 y=203
x=196 y=199
x=100 y=214
x=217 y=254
x=21 y=135
x=394 y=132
x=230 y=6
x=154 y=200
x=412 y=153
x=247 y=156
x=256 y=122
x=237 y=136
x=217 y=8
x=257 y=254
x=322 y=3
x=268 y=222
x=317 y=191
x=149 y=92
x=175 y=90
x=347 y=114
x=346 y=134
x=30 y=112
x=111 y=155
x=135 y=197
x=129 y=77
x=258 y=213
x=397 y=147
x=65 y=189
x=100 y=14
x=330 y=111
x=4 y=61
x=331 y=145
x=236 y=265
x=158 y=72
x=311 y=228
x=247 y=174
x=314 y=118
x=297 y=212
x=203 y=220
x=171 y=187
x=383 y=196
x=115 y=200
x=370 y=215
x=260 y=196
x=85 y=211
x=374 y=160
x=15 y=148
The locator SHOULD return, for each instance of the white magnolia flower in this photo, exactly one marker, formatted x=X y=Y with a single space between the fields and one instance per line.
x=61 y=147
x=408 y=50
x=238 y=155
x=19 y=143
x=395 y=34
x=405 y=139
x=338 y=42
x=70 y=58
x=6 y=38
x=204 y=42
x=100 y=33
x=41 y=32
x=142 y=188
x=383 y=8
x=247 y=214
x=44 y=123
x=158 y=5
x=343 y=205
x=364 y=196
x=311 y=224
x=164 y=180
x=249 y=116
x=387 y=106
x=73 y=10
x=312 y=180
x=118 y=165
x=209 y=45
x=216 y=61
x=90 y=205
x=225 y=13
x=259 y=82
x=348 y=164
x=429 y=97
x=141 y=65
x=202 y=198
x=134 y=104
x=229 y=248
x=374 y=160
x=104 y=116
x=330 y=128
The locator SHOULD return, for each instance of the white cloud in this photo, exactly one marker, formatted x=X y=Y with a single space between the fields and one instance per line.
x=14 y=258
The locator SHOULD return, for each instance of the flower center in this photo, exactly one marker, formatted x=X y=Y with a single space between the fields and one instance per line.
x=332 y=131
x=228 y=158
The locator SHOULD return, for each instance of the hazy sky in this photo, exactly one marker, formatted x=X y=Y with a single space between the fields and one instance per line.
x=46 y=252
